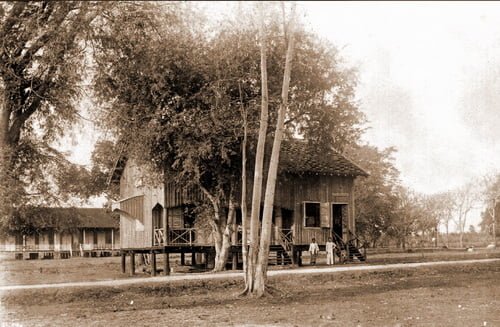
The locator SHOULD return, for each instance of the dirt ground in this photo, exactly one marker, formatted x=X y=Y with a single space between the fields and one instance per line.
x=76 y=269
x=451 y=295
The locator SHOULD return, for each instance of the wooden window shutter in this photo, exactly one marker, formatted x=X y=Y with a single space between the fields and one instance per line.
x=325 y=214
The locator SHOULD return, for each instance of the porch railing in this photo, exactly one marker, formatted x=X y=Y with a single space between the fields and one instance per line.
x=55 y=247
x=182 y=236
x=34 y=247
x=285 y=238
x=159 y=236
x=91 y=246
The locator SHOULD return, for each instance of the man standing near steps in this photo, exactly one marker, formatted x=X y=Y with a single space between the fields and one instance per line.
x=313 y=250
x=330 y=252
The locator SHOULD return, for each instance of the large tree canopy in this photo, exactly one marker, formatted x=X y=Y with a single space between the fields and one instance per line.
x=175 y=96
x=44 y=66
x=180 y=93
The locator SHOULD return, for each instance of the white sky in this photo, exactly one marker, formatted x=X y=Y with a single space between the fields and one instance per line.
x=428 y=82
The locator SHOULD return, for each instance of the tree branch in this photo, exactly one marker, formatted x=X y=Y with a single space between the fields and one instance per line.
x=14 y=14
x=52 y=31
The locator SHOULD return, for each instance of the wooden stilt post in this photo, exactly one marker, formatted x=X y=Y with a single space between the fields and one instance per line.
x=235 y=260
x=153 y=263
x=124 y=259
x=299 y=258
x=183 y=259
x=193 y=258
x=234 y=242
x=132 y=263
x=166 y=264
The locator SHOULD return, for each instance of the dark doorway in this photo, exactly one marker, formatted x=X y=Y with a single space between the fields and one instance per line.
x=51 y=236
x=94 y=236
x=287 y=218
x=157 y=224
x=157 y=214
x=338 y=211
x=189 y=216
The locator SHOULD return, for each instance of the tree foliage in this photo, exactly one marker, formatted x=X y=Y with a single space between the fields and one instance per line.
x=174 y=94
x=376 y=195
x=44 y=66
x=491 y=199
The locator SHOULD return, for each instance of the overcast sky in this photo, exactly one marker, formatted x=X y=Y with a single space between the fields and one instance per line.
x=428 y=82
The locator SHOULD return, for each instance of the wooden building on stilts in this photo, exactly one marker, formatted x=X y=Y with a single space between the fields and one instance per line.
x=314 y=199
x=65 y=232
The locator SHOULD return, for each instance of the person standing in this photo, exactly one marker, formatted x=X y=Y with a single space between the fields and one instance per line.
x=330 y=252
x=313 y=250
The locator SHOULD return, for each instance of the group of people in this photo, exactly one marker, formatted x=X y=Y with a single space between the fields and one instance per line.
x=330 y=248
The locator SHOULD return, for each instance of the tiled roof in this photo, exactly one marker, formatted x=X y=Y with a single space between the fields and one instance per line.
x=301 y=157
x=85 y=217
x=97 y=218
x=296 y=157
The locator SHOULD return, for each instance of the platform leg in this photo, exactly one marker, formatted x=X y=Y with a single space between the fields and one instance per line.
x=123 y=261
x=183 y=259
x=235 y=260
x=132 y=263
x=153 y=264
x=166 y=264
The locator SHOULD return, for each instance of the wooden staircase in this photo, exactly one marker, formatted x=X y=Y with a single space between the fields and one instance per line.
x=350 y=250
x=279 y=256
x=355 y=253
x=283 y=250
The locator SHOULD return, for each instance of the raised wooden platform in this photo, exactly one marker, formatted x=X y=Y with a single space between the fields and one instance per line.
x=283 y=256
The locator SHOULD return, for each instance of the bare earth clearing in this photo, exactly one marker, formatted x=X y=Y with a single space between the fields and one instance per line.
x=448 y=295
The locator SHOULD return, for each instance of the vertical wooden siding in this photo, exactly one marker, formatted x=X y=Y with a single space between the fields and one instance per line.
x=323 y=189
x=134 y=207
x=176 y=197
x=136 y=227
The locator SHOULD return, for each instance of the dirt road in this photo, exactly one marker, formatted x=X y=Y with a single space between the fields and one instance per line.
x=459 y=293
x=232 y=275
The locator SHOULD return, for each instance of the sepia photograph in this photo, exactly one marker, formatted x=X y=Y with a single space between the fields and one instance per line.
x=250 y=163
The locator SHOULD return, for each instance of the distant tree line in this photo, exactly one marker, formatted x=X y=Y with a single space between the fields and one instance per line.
x=390 y=214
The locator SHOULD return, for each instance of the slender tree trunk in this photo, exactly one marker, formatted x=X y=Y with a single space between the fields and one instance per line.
x=460 y=231
x=4 y=132
x=244 y=218
x=259 y=161
x=6 y=162
x=448 y=233
x=265 y=240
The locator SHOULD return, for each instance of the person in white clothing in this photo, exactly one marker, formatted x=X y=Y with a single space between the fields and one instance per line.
x=330 y=251
x=313 y=250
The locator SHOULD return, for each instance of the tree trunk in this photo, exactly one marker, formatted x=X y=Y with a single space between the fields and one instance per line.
x=6 y=162
x=265 y=239
x=244 y=218
x=221 y=229
x=224 y=240
x=259 y=162
x=460 y=230
x=447 y=233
